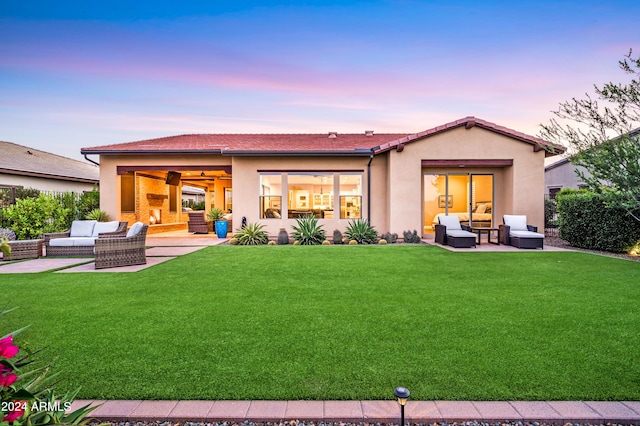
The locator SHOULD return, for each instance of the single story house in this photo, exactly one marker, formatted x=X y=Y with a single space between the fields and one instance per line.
x=32 y=168
x=562 y=174
x=470 y=167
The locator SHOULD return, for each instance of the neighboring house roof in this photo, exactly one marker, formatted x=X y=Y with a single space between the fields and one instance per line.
x=332 y=143
x=556 y=164
x=21 y=160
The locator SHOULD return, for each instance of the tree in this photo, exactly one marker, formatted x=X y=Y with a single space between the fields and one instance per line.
x=602 y=135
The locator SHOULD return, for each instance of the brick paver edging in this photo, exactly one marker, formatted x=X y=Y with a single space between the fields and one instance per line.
x=561 y=412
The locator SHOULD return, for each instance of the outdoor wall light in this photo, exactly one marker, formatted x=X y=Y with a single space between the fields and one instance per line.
x=402 y=394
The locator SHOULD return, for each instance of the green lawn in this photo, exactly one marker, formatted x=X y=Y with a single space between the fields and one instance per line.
x=341 y=323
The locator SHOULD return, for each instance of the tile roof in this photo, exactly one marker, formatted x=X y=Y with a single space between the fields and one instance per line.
x=470 y=122
x=283 y=144
x=22 y=160
x=252 y=143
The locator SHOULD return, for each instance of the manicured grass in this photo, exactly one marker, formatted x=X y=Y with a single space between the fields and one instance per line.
x=341 y=323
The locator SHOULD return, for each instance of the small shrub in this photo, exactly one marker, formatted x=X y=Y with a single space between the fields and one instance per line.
x=550 y=207
x=326 y=243
x=252 y=235
x=337 y=237
x=97 y=214
x=361 y=231
x=382 y=242
x=271 y=243
x=296 y=243
x=353 y=243
x=88 y=201
x=308 y=232
x=389 y=237
x=234 y=241
x=32 y=217
x=411 y=237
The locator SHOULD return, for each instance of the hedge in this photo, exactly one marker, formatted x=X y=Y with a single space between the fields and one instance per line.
x=593 y=221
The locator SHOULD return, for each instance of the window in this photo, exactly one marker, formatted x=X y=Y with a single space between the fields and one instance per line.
x=128 y=192
x=350 y=196
x=310 y=194
x=270 y=196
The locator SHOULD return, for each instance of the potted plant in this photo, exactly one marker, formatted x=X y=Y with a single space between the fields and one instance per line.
x=222 y=226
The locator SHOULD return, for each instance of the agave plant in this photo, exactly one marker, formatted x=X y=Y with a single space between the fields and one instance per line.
x=361 y=231
x=308 y=232
x=99 y=215
x=252 y=235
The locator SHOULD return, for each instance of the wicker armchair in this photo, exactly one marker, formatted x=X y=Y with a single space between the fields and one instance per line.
x=197 y=223
x=112 y=251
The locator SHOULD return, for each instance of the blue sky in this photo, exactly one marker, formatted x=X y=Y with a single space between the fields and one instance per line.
x=77 y=73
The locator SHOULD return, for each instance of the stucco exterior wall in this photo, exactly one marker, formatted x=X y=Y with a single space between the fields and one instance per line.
x=519 y=189
x=44 y=184
x=246 y=187
x=563 y=176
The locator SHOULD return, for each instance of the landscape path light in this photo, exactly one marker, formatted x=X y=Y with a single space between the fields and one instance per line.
x=402 y=394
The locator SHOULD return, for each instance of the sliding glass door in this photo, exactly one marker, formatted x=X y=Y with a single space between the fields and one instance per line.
x=468 y=196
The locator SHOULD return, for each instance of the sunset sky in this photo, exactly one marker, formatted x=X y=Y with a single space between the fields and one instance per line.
x=81 y=73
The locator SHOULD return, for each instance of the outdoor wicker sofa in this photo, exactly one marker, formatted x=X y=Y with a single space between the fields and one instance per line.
x=517 y=233
x=450 y=232
x=80 y=238
x=113 y=250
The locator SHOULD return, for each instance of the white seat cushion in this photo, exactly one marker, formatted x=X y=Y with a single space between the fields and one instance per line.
x=72 y=242
x=82 y=228
x=84 y=241
x=525 y=234
x=61 y=242
x=451 y=222
x=101 y=227
x=135 y=229
x=458 y=233
x=517 y=222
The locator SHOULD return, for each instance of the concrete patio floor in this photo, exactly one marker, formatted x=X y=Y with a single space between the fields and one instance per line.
x=558 y=412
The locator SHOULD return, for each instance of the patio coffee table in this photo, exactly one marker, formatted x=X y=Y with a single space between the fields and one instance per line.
x=24 y=249
x=488 y=231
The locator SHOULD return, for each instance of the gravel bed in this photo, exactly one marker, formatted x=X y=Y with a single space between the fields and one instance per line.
x=558 y=242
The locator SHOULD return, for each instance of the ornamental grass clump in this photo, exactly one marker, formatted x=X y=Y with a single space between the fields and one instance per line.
x=308 y=232
x=252 y=235
x=97 y=214
x=361 y=231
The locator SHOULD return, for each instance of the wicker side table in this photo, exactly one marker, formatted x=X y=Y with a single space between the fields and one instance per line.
x=24 y=249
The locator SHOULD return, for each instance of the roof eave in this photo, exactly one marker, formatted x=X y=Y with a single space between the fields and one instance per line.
x=324 y=153
x=48 y=176
x=148 y=151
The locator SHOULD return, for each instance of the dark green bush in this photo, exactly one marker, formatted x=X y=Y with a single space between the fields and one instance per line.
x=550 y=208
x=588 y=220
x=337 y=236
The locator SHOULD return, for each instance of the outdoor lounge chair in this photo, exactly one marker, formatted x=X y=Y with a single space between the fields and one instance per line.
x=113 y=251
x=450 y=232
x=197 y=223
x=517 y=233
